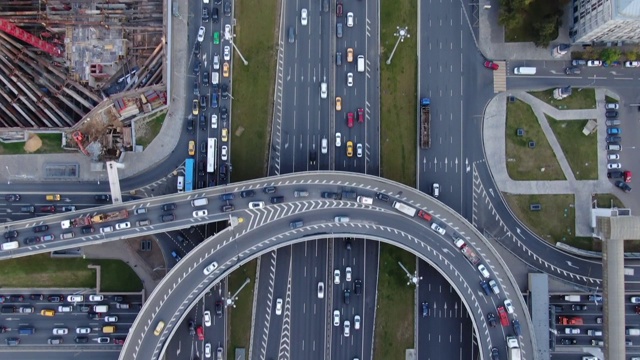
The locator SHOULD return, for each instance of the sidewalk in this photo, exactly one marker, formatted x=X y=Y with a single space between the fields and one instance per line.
x=30 y=167
x=494 y=129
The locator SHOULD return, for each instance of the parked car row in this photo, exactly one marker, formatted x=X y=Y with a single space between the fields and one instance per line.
x=613 y=139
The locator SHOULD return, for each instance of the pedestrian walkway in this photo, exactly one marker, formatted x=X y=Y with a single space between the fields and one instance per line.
x=494 y=132
x=500 y=77
x=31 y=167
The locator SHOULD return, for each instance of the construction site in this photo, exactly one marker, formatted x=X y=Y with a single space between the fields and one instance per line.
x=84 y=68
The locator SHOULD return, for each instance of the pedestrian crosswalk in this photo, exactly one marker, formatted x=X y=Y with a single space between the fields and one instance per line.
x=500 y=77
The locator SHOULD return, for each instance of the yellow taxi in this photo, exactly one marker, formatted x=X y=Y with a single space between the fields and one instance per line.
x=53 y=197
x=47 y=312
x=158 y=329
x=350 y=55
x=192 y=148
x=338 y=103
x=349 y=148
x=225 y=69
x=225 y=134
x=195 y=107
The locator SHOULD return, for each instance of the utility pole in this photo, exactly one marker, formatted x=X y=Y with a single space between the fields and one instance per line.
x=231 y=300
x=413 y=279
x=401 y=33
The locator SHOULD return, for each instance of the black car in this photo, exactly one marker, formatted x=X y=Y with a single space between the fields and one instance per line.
x=81 y=339
x=485 y=287
x=227 y=197
x=495 y=354
x=313 y=156
x=68 y=208
x=225 y=91
x=87 y=229
x=204 y=100
x=215 y=15
x=55 y=299
x=579 y=307
x=202 y=122
x=516 y=327
x=277 y=199
x=205 y=14
x=36 y=297
x=219 y=308
x=196 y=67
x=227 y=8
x=227 y=208
x=167 y=217
x=40 y=228
x=31 y=240
x=382 y=197
x=613 y=139
x=16 y=298
x=247 y=193
x=11 y=234
x=491 y=318
x=83 y=308
x=623 y=186
x=102 y=198
x=203 y=146
x=224 y=113
x=118 y=298
x=615 y=175
x=190 y=125
x=196 y=89
x=168 y=207
x=192 y=328
x=182 y=239
x=205 y=78
x=357 y=287
x=269 y=190
x=12 y=197
x=347 y=296
x=329 y=195
x=196 y=50
x=568 y=341
x=611 y=114
x=572 y=70
x=425 y=309
x=579 y=62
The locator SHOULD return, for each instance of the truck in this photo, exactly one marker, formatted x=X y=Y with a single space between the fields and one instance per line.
x=112 y=216
x=570 y=320
x=572 y=298
x=425 y=122
x=81 y=221
x=633 y=332
x=467 y=251
x=513 y=348
x=405 y=209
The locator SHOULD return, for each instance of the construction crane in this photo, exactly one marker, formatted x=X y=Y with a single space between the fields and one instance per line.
x=27 y=37
x=78 y=137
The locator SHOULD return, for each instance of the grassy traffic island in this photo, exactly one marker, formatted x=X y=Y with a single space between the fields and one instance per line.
x=580 y=99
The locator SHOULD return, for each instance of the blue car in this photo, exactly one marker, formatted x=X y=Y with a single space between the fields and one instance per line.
x=425 y=309
x=176 y=256
x=613 y=131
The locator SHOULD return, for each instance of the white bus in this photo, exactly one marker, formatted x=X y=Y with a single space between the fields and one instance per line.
x=212 y=153
x=180 y=183
x=405 y=209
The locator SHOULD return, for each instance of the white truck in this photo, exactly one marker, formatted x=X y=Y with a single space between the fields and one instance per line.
x=513 y=348
x=633 y=332
x=572 y=298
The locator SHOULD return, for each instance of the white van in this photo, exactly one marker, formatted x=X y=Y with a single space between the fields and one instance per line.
x=614 y=147
x=180 y=184
x=360 y=63
x=106 y=229
x=100 y=308
x=215 y=77
x=341 y=219
x=365 y=200
x=199 y=202
x=524 y=70
x=10 y=245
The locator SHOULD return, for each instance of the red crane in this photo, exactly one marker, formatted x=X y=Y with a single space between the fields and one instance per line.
x=17 y=32
x=78 y=137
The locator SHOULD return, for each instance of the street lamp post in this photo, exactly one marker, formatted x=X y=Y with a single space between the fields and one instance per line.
x=401 y=33
x=231 y=300
x=239 y=53
x=413 y=279
x=8 y=172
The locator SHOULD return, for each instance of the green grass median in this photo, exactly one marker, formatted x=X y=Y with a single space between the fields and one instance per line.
x=239 y=318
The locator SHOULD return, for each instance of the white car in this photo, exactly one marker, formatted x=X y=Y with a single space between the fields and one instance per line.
x=323 y=90
x=111 y=319
x=65 y=308
x=338 y=139
x=227 y=53
x=123 y=225
x=103 y=340
x=303 y=17
x=279 y=306
x=336 y=317
x=356 y=322
x=347 y=328
x=483 y=270
x=494 y=287
x=214 y=121
x=201 y=33
x=256 y=205
x=613 y=156
x=207 y=318
x=349 y=19
x=207 y=350
x=347 y=273
x=219 y=352
x=611 y=106
x=83 y=330
x=96 y=297
x=336 y=277
x=320 y=290
x=614 y=166
x=227 y=32
x=592 y=63
x=349 y=79
x=60 y=331
x=632 y=64
x=209 y=269
x=359 y=150
x=200 y=213
x=438 y=229
x=224 y=154
x=635 y=299
x=509 y=306
x=571 y=331
x=75 y=298
x=216 y=62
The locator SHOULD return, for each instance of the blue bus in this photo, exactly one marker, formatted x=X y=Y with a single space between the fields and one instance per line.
x=189 y=163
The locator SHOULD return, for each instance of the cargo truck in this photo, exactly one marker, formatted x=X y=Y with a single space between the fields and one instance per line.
x=467 y=251
x=513 y=348
x=81 y=221
x=112 y=216
x=425 y=123
x=572 y=298
x=633 y=332
x=570 y=320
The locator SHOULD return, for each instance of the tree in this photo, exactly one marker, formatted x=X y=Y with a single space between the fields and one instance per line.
x=610 y=55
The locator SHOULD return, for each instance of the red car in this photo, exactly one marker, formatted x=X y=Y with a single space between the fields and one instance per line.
x=118 y=341
x=360 y=115
x=425 y=215
x=504 y=318
x=49 y=209
x=491 y=65
x=200 y=332
x=339 y=9
x=350 y=119
x=627 y=176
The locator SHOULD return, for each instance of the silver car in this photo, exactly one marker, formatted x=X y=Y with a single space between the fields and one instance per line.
x=227 y=53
